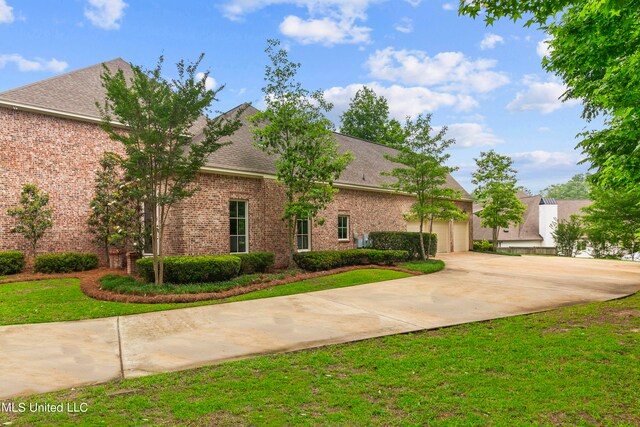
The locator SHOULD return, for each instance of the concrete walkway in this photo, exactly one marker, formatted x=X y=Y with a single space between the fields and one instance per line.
x=44 y=357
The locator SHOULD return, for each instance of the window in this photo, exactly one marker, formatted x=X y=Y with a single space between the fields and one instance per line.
x=343 y=227
x=303 y=236
x=238 y=238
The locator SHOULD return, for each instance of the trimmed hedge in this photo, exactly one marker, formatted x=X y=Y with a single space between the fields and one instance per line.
x=326 y=260
x=403 y=241
x=256 y=262
x=65 y=262
x=11 y=262
x=482 y=245
x=192 y=269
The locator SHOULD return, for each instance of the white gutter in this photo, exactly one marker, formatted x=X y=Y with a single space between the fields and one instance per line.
x=62 y=114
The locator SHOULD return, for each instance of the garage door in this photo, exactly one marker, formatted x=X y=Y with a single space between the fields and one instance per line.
x=460 y=236
x=439 y=227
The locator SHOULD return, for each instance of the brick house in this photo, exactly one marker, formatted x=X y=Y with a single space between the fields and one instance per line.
x=50 y=136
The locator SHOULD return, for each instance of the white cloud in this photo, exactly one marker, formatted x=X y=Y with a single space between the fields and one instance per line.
x=329 y=22
x=540 y=96
x=404 y=26
x=105 y=14
x=209 y=83
x=37 y=64
x=326 y=31
x=542 y=48
x=449 y=6
x=490 y=41
x=6 y=13
x=472 y=135
x=545 y=159
x=414 y=3
x=403 y=101
x=544 y=129
x=451 y=70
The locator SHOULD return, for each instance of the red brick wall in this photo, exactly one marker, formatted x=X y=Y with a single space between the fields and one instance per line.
x=60 y=156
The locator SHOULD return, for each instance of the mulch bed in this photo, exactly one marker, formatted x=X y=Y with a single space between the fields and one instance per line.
x=90 y=285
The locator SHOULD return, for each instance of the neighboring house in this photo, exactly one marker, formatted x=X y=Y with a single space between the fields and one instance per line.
x=536 y=230
x=50 y=136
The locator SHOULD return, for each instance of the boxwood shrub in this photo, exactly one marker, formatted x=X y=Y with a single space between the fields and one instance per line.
x=402 y=241
x=11 y=262
x=326 y=260
x=192 y=269
x=65 y=262
x=256 y=262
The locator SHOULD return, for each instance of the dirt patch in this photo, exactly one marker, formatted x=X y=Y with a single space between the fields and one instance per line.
x=630 y=312
x=90 y=285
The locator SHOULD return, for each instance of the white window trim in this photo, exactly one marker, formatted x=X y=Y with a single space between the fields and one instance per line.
x=346 y=239
x=246 y=227
x=308 y=234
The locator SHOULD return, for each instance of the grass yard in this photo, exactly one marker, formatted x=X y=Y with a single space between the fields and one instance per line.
x=572 y=366
x=61 y=299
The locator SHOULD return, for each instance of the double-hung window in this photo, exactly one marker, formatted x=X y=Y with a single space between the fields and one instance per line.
x=303 y=235
x=238 y=227
x=343 y=227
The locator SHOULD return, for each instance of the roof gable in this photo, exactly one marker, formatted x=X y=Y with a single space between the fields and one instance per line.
x=74 y=93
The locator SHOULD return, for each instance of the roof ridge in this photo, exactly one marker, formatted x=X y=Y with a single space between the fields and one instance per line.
x=39 y=82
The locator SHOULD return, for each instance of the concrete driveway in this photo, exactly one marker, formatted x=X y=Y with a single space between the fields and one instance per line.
x=50 y=356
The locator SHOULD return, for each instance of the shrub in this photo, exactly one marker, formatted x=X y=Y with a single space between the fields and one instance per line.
x=192 y=269
x=65 y=262
x=482 y=245
x=326 y=260
x=256 y=262
x=403 y=241
x=11 y=262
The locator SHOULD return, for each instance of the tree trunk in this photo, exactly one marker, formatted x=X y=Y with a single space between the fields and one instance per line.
x=429 y=238
x=161 y=251
x=154 y=241
x=495 y=239
x=422 y=254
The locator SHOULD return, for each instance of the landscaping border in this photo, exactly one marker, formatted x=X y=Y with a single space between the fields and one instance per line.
x=90 y=285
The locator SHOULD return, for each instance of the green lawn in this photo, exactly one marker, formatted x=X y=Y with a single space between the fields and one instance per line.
x=62 y=299
x=573 y=366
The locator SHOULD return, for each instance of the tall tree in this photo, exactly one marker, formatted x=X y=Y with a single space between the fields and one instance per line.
x=293 y=127
x=496 y=189
x=161 y=153
x=114 y=218
x=368 y=118
x=424 y=174
x=574 y=189
x=595 y=50
x=33 y=217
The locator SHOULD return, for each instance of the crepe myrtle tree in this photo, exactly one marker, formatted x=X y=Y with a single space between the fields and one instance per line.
x=496 y=190
x=293 y=127
x=32 y=217
x=161 y=154
x=423 y=173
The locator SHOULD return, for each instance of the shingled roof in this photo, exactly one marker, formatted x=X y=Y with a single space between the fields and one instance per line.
x=75 y=94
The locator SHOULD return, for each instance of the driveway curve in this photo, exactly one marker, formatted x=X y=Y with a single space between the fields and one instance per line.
x=44 y=357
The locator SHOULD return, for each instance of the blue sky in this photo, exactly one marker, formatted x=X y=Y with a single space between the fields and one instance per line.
x=486 y=84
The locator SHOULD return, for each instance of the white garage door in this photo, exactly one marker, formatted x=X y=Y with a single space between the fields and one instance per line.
x=459 y=233
x=440 y=228
x=460 y=236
